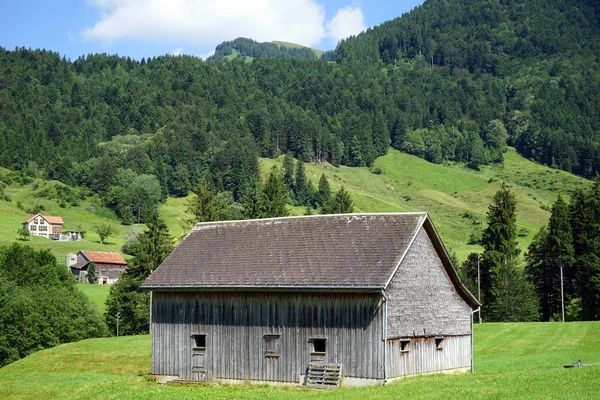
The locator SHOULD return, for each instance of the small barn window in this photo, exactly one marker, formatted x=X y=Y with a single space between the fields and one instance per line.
x=439 y=342
x=272 y=345
x=199 y=341
x=319 y=345
x=404 y=345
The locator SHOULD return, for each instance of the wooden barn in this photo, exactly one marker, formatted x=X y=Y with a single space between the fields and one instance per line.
x=369 y=297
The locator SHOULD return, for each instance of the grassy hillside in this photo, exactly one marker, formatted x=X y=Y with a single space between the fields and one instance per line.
x=85 y=215
x=456 y=197
x=512 y=361
x=97 y=295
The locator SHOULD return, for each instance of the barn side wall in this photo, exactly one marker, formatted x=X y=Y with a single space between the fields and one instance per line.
x=423 y=304
x=235 y=325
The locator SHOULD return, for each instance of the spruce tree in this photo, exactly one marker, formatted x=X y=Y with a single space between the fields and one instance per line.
x=585 y=223
x=253 y=203
x=288 y=171
x=552 y=249
x=275 y=195
x=323 y=192
x=126 y=296
x=301 y=185
x=208 y=205
x=503 y=282
x=341 y=203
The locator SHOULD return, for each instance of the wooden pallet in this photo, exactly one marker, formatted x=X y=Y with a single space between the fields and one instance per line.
x=322 y=375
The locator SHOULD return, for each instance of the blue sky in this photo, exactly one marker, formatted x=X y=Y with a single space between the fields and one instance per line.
x=142 y=28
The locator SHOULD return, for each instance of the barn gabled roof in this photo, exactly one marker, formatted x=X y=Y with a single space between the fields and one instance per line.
x=324 y=252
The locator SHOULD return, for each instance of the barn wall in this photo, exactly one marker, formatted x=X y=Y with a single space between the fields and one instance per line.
x=235 y=325
x=421 y=355
x=422 y=300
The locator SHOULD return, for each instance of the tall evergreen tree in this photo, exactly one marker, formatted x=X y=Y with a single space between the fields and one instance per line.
x=208 y=205
x=301 y=194
x=323 y=192
x=126 y=298
x=341 y=203
x=288 y=171
x=552 y=249
x=253 y=203
x=503 y=282
x=275 y=195
x=585 y=223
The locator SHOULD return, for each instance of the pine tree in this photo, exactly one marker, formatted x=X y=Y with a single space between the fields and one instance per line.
x=275 y=195
x=208 y=205
x=503 y=283
x=126 y=296
x=323 y=192
x=513 y=297
x=341 y=203
x=552 y=249
x=301 y=185
x=253 y=203
x=288 y=171
x=92 y=275
x=585 y=222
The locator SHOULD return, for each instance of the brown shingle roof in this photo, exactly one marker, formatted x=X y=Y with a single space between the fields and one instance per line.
x=103 y=257
x=326 y=251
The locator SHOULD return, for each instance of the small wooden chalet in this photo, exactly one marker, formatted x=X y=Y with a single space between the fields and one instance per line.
x=109 y=266
x=370 y=297
x=47 y=226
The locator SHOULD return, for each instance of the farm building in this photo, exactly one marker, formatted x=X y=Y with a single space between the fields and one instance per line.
x=373 y=297
x=47 y=226
x=109 y=265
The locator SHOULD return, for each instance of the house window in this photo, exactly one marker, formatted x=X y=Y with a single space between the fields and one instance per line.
x=33 y=228
x=404 y=345
x=439 y=342
x=35 y=221
x=43 y=229
x=199 y=341
x=272 y=345
x=319 y=345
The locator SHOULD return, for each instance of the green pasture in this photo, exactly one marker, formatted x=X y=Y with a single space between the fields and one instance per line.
x=96 y=293
x=512 y=361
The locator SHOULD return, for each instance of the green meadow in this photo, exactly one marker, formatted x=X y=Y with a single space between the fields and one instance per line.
x=512 y=361
x=96 y=293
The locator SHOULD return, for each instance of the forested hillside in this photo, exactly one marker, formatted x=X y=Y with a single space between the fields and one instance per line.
x=450 y=81
x=244 y=47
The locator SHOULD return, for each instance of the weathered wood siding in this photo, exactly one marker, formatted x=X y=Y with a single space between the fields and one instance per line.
x=421 y=355
x=235 y=325
x=422 y=300
x=423 y=303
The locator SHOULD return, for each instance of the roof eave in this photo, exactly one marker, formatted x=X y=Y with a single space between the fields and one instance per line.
x=265 y=288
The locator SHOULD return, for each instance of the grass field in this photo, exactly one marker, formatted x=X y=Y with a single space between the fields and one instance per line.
x=97 y=295
x=512 y=361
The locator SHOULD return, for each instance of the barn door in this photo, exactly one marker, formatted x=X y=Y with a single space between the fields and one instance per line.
x=198 y=366
x=199 y=357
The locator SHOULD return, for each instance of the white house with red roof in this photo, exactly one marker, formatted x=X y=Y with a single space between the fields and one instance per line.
x=47 y=226
x=109 y=266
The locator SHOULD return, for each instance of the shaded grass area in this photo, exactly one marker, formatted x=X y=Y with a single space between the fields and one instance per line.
x=97 y=295
x=512 y=361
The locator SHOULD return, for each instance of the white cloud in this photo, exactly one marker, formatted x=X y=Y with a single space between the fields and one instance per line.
x=346 y=22
x=207 y=22
x=205 y=56
x=177 y=51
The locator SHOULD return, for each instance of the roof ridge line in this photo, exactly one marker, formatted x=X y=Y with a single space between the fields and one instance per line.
x=200 y=224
